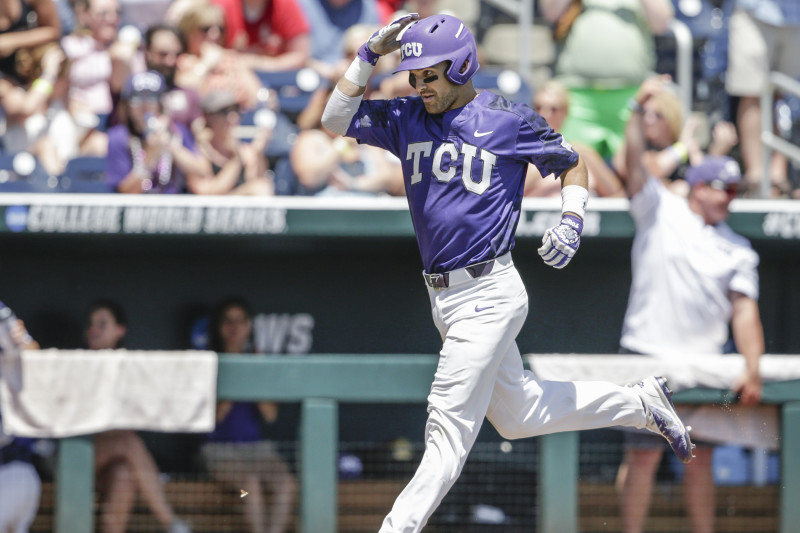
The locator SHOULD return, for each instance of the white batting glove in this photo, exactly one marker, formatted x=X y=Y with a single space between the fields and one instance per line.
x=560 y=243
x=385 y=40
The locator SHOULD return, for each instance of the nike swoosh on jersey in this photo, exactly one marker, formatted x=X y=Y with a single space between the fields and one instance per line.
x=479 y=309
x=482 y=133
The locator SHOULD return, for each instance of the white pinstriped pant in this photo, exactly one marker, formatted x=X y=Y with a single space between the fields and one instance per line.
x=480 y=374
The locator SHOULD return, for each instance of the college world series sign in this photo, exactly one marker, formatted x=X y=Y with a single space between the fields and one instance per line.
x=177 y=215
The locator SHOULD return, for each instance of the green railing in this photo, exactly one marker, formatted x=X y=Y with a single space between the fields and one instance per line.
x=320 y=382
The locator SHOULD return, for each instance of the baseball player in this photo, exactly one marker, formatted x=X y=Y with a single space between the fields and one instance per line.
x=692 y=277
x=464 y=156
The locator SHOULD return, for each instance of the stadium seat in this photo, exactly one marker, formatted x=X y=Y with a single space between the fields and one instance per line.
x=85 y=174
x=503 y=81
x=466 y=10
x=22 y=172
x=500 y=47
x=294 y=88
x=283 y=134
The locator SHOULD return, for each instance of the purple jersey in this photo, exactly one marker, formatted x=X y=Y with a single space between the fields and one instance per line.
x=464 y=170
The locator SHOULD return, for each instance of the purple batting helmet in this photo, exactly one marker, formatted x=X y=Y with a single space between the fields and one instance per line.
x=438 y=38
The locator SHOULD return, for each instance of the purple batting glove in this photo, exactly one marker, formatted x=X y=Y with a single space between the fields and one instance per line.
x=368 y=55
x=386 y=39
x=560 y=243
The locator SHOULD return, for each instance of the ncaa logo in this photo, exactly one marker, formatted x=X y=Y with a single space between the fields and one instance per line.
x=410 y=49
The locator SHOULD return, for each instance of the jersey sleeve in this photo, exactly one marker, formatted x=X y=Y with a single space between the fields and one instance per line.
x=540 y=145
x=377 y=123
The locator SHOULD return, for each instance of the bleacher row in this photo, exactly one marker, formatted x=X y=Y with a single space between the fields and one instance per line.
x=21 y=172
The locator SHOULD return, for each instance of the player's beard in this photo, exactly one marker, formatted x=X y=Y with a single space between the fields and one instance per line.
x=442 y=101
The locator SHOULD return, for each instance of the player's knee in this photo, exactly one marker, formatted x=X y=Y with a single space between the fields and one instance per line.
x=508 y=431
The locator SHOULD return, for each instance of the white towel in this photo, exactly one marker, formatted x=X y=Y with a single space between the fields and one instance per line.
x=77 y=392
x=751 y=426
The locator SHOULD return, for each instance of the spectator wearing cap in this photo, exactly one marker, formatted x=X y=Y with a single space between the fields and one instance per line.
x=147 y=151
x=237 y=167
x=693 y=281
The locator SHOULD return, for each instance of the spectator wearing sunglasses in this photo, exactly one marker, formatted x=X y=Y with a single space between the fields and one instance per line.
x=148 y=152
x=207 y=65
x=237 y=167
x=693 y=278
x=671 y=140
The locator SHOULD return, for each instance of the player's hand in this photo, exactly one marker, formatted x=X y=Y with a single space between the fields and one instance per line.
x=385 y=41
x=560 y=243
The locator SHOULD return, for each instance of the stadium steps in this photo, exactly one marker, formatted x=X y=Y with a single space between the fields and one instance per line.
x=364 y=503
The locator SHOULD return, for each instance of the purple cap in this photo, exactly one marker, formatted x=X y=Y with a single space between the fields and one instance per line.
x=438 y=38
x=150 y=82
x=715 y=169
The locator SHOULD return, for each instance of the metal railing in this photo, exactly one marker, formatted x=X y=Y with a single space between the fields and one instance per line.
x=770 y=141
x=320 y=382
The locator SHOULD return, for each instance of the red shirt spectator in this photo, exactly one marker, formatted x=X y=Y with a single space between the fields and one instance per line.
x=279 y=23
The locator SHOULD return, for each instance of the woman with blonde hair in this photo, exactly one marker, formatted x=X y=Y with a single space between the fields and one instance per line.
x=671 y=140
x=207 y=65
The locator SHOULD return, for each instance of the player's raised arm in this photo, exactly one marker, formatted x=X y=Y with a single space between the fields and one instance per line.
x=346 y=97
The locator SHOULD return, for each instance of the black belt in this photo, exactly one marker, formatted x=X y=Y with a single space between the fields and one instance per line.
x=442 y=281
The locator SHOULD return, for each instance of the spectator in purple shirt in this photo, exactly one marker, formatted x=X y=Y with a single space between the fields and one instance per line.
x=236 y=453
x=148 y=152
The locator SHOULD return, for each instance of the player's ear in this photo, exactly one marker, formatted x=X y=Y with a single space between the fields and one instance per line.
x=464 y=67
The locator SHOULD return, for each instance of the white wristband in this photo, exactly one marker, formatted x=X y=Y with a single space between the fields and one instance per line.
x=359 y=72
x=573 y=200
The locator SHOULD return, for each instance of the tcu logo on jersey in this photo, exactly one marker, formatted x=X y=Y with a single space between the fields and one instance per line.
x=410 y=49
x=445 y=163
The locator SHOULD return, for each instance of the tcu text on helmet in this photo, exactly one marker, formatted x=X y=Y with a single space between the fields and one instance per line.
x=445 y=163
x=410 y=49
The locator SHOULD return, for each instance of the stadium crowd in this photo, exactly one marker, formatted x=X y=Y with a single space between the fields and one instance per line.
x=224 y=96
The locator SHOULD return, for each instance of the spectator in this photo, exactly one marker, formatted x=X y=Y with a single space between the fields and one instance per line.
x=271 y=34
x=37 y=120
x=236 y=453
x=692 y=278
x=148 y=152
x=25 y=24
x=330 y=19
x=671 y=143
x=89 y=51
x=764 y=36
x=123 y=465
x=552 y=102
x=599 y=87
x=207 y=65
x=341 y=167
x=237 y=167
x=20 y=486
x=163 y=46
